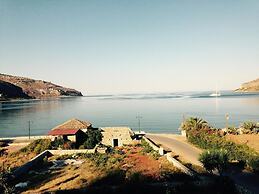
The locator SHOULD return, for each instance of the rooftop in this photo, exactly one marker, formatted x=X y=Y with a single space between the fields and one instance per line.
x=73 y=124
x=117 y=130
x=63 y=132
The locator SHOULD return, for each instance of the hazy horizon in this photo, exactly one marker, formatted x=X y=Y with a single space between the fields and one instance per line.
x=118 y=47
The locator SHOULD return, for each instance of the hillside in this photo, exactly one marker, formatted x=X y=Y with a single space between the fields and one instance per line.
x=252 y=86
x=21 y=87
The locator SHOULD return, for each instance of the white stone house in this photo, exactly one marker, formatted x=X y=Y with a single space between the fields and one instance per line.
x=117 y=136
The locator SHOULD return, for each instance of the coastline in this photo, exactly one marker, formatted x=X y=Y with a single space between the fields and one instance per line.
x=23 y=139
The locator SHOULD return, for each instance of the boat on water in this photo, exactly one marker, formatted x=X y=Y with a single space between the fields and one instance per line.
x=216 y=94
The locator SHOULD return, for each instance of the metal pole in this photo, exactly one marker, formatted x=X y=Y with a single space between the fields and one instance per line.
x=139 y=117
x=29 y=123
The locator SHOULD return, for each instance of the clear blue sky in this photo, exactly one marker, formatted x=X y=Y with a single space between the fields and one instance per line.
x=99 y=46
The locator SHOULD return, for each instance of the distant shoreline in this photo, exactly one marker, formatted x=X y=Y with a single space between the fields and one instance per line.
x=37 y=99
x=24 y=138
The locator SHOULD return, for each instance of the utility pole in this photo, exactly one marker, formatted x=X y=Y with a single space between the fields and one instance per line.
x=138 y=117
x=29 y=128
x=227 y=118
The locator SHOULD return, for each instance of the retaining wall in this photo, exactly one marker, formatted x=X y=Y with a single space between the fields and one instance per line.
x=47 y=153
x=70 y=152
x=29 y=165
x=155 y=147
x=178 y=164
x=175 y=162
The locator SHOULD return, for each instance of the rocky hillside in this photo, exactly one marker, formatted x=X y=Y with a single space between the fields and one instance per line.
x=21 y=87
x=252 y=86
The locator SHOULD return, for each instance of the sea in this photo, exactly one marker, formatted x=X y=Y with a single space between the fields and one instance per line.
x=152 y=112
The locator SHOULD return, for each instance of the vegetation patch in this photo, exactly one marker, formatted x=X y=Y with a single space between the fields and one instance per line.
x=147 y=149
x=37 y=146
x=200 y=133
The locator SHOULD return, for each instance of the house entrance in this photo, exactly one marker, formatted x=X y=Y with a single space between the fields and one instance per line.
x=115 y=142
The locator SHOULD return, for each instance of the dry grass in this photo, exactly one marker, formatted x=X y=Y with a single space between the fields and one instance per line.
x=252 y=140
x=131 y=161
x=14 y=160
x=70 y=177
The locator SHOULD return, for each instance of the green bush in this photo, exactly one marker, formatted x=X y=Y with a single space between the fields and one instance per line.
x=5 y=186
x=3 y=144
x=235 y=151
x=147 y=149
x=37 y=146
x=209 y=138
x=58 y=143
x=93 y=138
x=250 y=127
x=254 y=164
x=214 y=160
x=100 y=160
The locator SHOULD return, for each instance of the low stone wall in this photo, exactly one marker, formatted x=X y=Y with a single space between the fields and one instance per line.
x=155 y=147
x=178 y=164
x=29 y=165
x=70 y=152
x=47 y=153
x=175 y=162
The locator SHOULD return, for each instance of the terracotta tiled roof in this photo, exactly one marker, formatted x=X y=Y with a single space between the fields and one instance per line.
x=74 y=124
x=63 y=132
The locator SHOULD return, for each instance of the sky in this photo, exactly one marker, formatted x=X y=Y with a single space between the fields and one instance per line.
x=131 y=46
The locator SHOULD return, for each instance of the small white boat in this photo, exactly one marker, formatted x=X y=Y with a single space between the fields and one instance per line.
x=216 y=94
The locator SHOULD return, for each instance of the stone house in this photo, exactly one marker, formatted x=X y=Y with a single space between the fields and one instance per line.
x=72 y=130
x=117 y=136
x=74 y=135
x=75 y=124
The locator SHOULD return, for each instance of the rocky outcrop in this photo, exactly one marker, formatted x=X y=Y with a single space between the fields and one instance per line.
x=21 y=87
x=8 y=90
x=252 y=86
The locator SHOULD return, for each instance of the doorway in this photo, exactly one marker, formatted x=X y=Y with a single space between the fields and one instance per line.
x=115 y=142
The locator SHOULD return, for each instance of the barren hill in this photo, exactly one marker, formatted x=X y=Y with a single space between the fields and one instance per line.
x=252 y=86
x=21 y=87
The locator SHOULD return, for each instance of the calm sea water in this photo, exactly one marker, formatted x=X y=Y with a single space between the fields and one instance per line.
x=159 y=112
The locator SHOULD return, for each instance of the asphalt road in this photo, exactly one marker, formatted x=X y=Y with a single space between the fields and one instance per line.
x=186 y=151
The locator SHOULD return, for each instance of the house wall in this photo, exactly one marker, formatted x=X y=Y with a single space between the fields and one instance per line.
x=123 y=136
x=80 y=137
x=72 y=138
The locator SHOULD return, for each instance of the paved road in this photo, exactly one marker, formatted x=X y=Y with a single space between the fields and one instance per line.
x=186 y=151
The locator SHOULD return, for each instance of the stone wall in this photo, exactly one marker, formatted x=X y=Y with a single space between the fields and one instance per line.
x=178 y=164
x=122 y=134
x=171 y=159
x=70 y=152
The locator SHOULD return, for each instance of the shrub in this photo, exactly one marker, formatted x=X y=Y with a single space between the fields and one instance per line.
x=147 y=149
x=3 y=144
x=37 y=146
x=100 y=160
x=211 y=139
x=93 y=138
x=194 y=123
x=4 y=186
x=254 y=164
x=58 y=143
x=214 y=160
